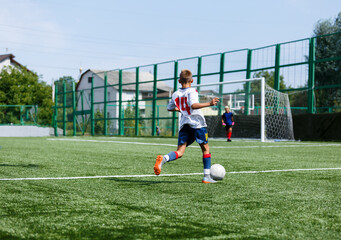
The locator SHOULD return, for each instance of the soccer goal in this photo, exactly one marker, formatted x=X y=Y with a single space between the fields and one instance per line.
x=260 y=112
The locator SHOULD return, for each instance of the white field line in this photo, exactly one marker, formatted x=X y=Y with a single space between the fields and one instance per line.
x=281 y=146
x=166 y=175
x=106 y=141
x=173 y=145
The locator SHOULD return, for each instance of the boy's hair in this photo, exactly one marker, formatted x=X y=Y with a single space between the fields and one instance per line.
x=185 y=76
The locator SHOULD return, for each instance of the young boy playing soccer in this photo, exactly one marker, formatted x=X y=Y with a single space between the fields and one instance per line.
x=192 y=125
x=227 y=121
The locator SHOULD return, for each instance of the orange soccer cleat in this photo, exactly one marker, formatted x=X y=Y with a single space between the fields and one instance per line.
x=158 y=163
x=208 y=180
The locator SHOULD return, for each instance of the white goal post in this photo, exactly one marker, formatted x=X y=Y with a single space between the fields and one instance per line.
x=272 y=106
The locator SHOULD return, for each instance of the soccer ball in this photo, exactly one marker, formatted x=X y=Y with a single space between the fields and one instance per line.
x=217 y=172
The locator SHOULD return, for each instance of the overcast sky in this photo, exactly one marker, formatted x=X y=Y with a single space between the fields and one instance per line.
x=56 y=38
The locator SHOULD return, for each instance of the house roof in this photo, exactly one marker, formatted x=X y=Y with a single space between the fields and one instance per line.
x=129 y=80
x=11 y=56
x=5 y=56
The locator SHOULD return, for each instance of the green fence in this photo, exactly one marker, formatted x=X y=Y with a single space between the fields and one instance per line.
x=133 y=101
x=18 y=114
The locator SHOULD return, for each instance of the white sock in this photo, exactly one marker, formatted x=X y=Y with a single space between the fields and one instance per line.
x=165 y=159
x=207 y=172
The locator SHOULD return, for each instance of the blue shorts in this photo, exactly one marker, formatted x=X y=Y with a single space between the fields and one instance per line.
x=188 y=134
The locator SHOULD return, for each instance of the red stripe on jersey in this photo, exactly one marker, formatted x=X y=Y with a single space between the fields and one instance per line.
x=177 y=103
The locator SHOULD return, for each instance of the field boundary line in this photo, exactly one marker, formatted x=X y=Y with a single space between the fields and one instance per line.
x=164 y=175
x=174 y=145
x=106 y=141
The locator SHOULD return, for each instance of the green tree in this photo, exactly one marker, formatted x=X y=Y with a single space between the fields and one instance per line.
x=59 y=85
x=68 y=88
x=129 y=125
x=23 y=87
x=270 y=79
x=99 y=124
x=328 y=72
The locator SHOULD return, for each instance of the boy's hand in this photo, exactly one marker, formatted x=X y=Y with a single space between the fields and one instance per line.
x=224 y=124
x=214 y=101
x=174 y=110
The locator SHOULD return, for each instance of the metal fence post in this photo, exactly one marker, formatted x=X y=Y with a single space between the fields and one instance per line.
x=221 y=79
x=82 y=103
x=105 y=104
x=154 y=100
x=21 y=117
x=64 y=108
x=92 y=108
x=199 y=73
x=247 y=84
x=55 y=117
x=277 y=68
x=137 y=110
x=311 y=80
x=120 y=117
x=175 y=87
x=74 y=108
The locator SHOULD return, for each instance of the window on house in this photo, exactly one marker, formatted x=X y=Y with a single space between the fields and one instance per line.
x=89 y=79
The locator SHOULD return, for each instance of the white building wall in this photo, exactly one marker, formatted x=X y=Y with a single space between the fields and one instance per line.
x=113 y=95
x=6 y=62
x=98 y=94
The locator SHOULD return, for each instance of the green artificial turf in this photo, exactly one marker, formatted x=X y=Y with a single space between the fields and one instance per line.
x=268 y=205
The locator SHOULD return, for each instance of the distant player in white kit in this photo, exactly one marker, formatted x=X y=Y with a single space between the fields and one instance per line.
x=192 y=124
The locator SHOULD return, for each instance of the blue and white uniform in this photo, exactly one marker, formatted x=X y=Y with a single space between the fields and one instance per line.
x=192 y=122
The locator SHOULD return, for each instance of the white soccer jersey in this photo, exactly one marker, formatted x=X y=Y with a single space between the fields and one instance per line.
x=183 y=99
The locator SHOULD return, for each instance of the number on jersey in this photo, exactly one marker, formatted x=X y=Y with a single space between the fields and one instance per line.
x=182 y=104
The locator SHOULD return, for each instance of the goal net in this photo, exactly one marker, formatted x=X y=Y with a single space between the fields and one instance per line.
x=278 y=118
x=259 y=111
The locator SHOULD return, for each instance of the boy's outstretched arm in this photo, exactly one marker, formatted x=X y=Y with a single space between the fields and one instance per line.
x=174 y=109
x=213 y=102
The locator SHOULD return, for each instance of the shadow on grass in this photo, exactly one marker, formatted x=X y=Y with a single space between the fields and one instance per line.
x=19 y=165
x=146 y=182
